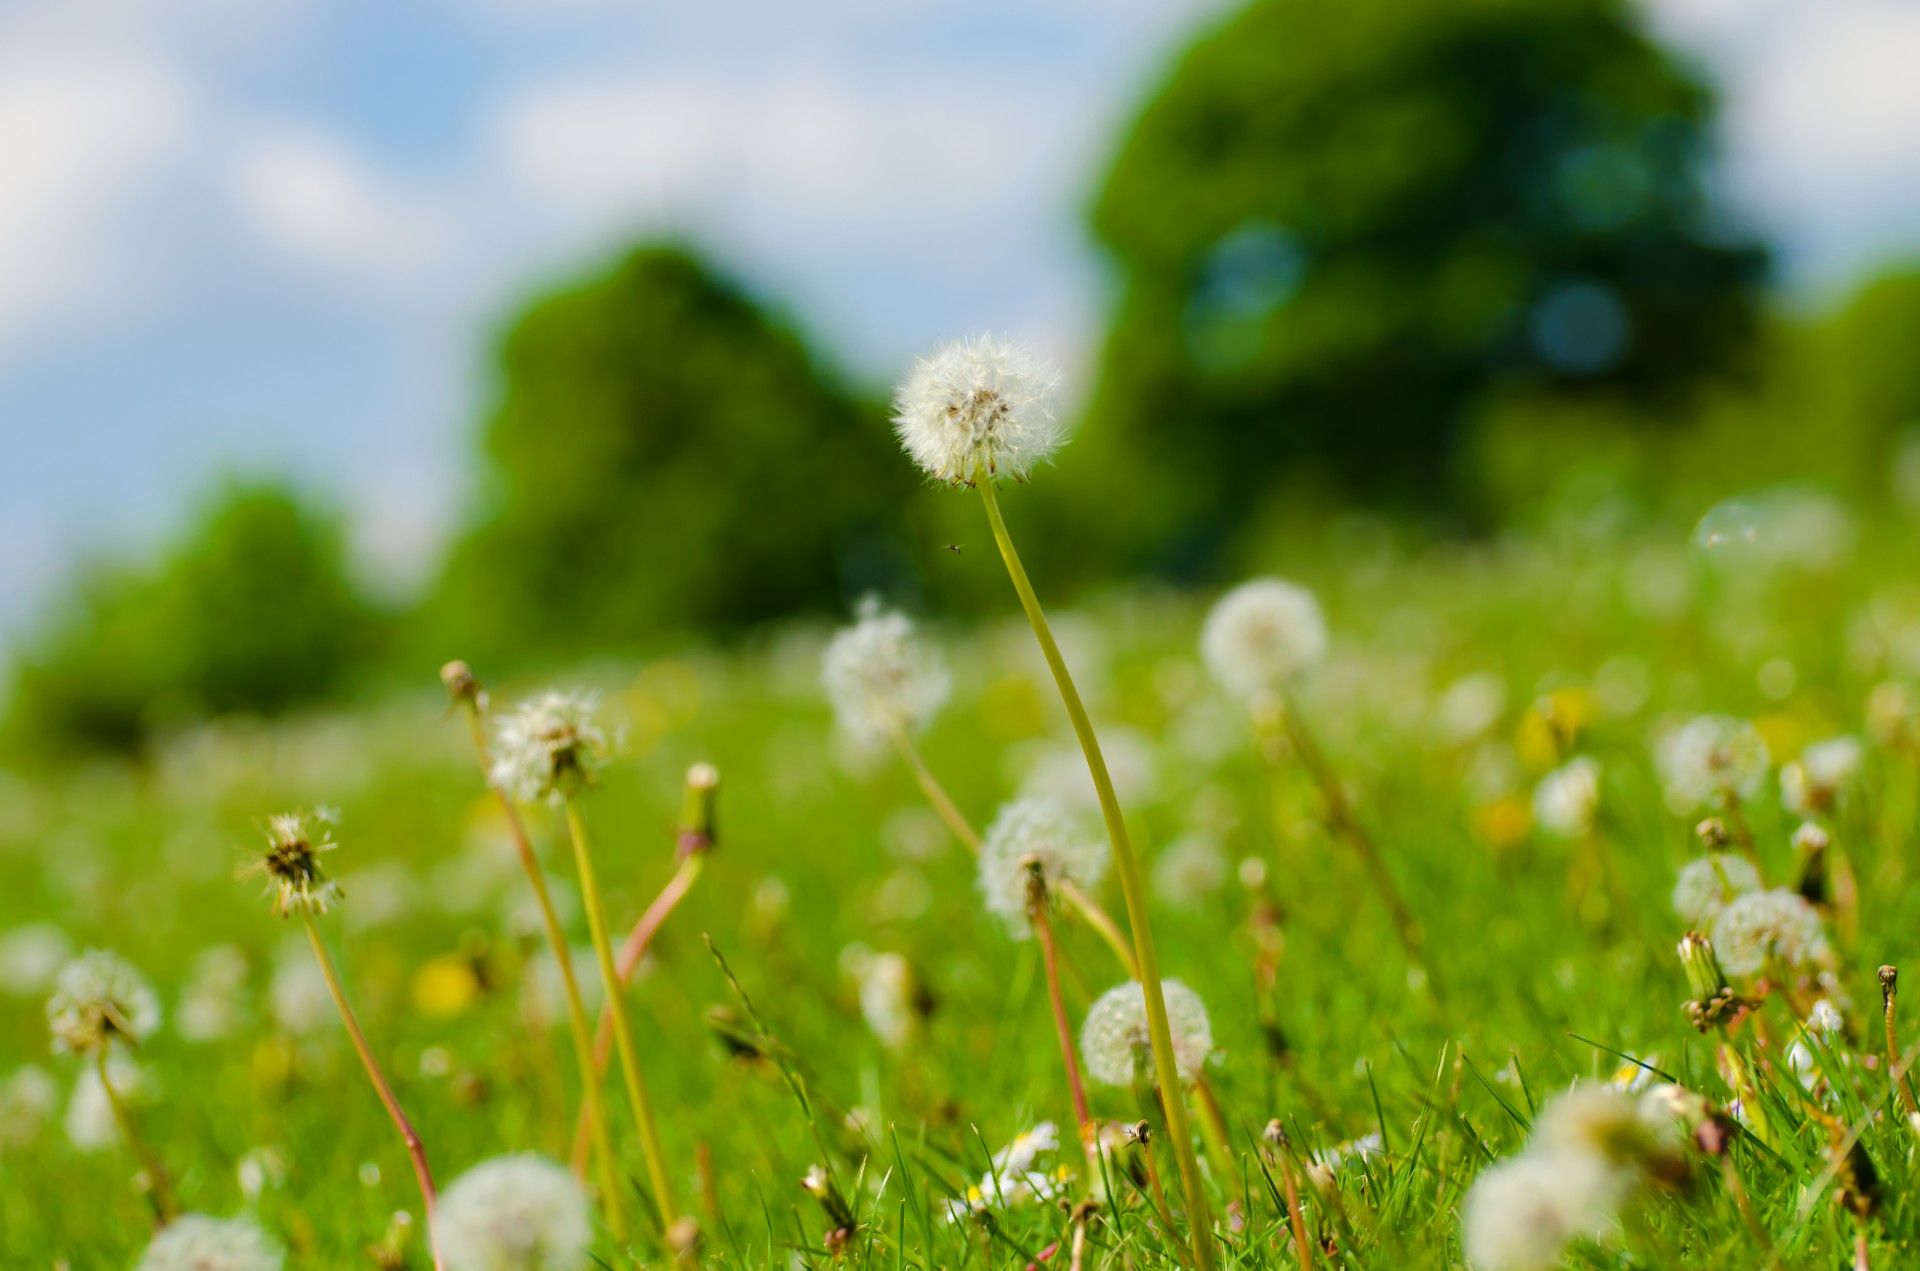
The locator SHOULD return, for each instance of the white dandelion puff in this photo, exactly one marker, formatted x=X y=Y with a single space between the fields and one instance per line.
x=1191 y=869
x=1567 y=799
x=979 y=405
x=1521 y=1214
x=1034 y=834
x=1115 y=1041
x=1814 y=781
x=1707 y=884
x=28 y=1100
x=549 y=748
x=880 y=678
x=197 y=1242
x=99 y=999
x=30 y=957
x=1262 y=634
x=1710 y=759
x=1764 y=928
x=515 y=1213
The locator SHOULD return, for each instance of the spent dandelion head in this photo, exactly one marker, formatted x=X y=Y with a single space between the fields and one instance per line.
x=1764 y=929
x=1029 y=836
x=1813 y=782
x=1261 y=635
x=1522 y=1213
x=978 y=407
x=297 y=883
x=1567 y=799
x=1707 y=884
x=515 y=1213
x=197 y=1242
x=99 y=999
x=1709 y=760
x=549 y=748
x=880 y=678
x=1115 y=1040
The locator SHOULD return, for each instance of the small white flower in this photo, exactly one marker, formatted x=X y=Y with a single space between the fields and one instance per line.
x=1262 y=634
x=1566 y=800
x=1028 y=834
x=515 y=1213
x=1709 y=759
x=1521 y=1214
x=1014 y=1177
x=28 y=1098
x=1708 y=883
x=984 y=404
x=880 y=678
x=1762 y=928
x=195 y=1242
x=1115 y=1038
x=1812 y=782
x=549 y=748
x=887 y=998
x=99 y=999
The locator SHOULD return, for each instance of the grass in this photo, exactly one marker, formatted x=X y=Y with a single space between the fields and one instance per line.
x=823 y=853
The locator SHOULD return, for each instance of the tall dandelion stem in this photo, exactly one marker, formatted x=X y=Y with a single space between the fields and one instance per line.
x=1049 y=957
x=416 y=1150
x=163 y=1206
x=1102 y=922
x=657 y=1172
x=1132 y=885
x=936 y=793
x=593 y=1100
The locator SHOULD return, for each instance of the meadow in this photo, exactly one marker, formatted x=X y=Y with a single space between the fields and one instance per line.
x=833 y=994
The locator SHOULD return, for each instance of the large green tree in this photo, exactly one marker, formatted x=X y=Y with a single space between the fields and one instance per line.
x=1339 y=226
x=664 y=454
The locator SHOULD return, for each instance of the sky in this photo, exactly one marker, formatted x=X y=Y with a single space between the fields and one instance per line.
x=279 y=236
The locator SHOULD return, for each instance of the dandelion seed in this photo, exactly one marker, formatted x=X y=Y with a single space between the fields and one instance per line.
x=979 y=405
x=549 y=748
x=196 y=1242
x=1114 y=1039
x=1765 y=928
x=1261 y=635
x=291 y=864
x=515 y=1213
x=1033 y=834
x=1521 y=1214
x=1709 y=760
x=28 y=1098
x=1566 y=800
x=880 y=679
x=99 y=999
x=1707 y=884
x=1812 y=783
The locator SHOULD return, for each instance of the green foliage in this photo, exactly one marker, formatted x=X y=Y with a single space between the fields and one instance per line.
x=251 y=612
x=667 y=455
x=1341 y=226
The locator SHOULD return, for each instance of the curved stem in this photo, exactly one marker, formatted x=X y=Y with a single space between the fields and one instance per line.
x=163 y=1207
x=593 y=1097
x=416 y=1150
x=1102 y=922
x=657 y=1171
x=628 y=961
x=935 y=792
x=1043 y=928
x=1199 y=1212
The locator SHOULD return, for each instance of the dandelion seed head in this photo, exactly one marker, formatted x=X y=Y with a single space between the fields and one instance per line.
x=1708 y=883
x=1812 y=782
x=1262 y=634
x=197 y=1242
x=1604 y=1122
x=515 y=1213
x=979 y=405
x=1521 y=1214
x=1034 y=834
x=296 y=881
x=1567 y=799
x=880 y=678
x=28 y=1099
x=99 y=999
x=1762 y=928
x=549 y=748
x=1115 y=1036
x=1710 y=759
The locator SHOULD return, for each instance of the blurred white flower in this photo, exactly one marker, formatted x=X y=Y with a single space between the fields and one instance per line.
x=1762 y=928
x=887 y=998
x=1470 y=706
x=196 y=1242
x=1811 y=783
x=1029 y=834
x=1708 y=759
x=213 y=1000
x=99 y=999
x=28 y=1099
x=1262 y=634
x=31 y=956
x=1364 y=1148
x=1522 y=1213
x=515 y=1213
x=984 y=404
x=259 y=1169
x=1707 y=883
x=880 y=678
x=1014 y=1177
x=1060 y=772
x=1190 y=869
x=90 y=1123
x=1566 y=800
x=549 y=748
x=298 y=994
x=1115 y=1037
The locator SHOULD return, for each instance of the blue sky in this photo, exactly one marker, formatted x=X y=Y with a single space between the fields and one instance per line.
x=247 y=235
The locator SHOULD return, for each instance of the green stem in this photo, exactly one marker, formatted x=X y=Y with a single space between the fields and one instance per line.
x=657 y=1171
x=935 y=792
x=595 y=1103
x=1199 y=1212
x=163 y=1206
x=416 y=1150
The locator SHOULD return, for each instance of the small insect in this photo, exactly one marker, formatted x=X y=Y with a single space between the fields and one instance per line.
x=955 y=547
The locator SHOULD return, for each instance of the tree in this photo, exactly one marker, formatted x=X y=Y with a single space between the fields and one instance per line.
x=664 y=455
x=1341 y=226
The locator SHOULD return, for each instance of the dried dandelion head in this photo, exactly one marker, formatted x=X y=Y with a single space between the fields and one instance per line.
x=99 y=999
x=296 y=881
x=549 y=748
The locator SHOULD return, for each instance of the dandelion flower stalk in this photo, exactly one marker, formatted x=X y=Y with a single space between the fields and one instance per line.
x=163 y=1204
x=1037 y=904
x=936 y=793
x=468 y=692
x=1889 y=996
